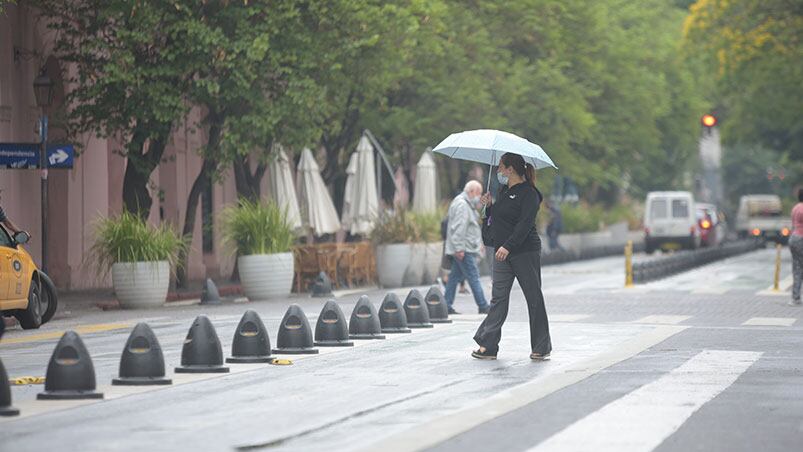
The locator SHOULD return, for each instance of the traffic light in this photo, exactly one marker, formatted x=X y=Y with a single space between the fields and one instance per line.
x=709 y=120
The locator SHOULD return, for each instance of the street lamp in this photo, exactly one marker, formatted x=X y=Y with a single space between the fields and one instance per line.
x=43 y=90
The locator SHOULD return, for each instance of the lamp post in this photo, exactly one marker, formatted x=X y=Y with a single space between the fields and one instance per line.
x=43 y=90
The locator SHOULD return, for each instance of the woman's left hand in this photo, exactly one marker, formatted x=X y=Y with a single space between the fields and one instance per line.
x=501 y=254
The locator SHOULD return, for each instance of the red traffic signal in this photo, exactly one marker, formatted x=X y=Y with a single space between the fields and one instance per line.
x=709 y=120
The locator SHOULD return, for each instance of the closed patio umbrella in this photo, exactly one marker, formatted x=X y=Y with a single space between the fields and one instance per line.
x=348 y=194
x=401 y=199
x=283 y=190
x=425 y=196
x=317 y=209
x=364 y=200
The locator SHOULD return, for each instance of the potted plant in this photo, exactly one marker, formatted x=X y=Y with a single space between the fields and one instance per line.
x=397 y=263
x=262 y=237
x=140 y=257
x=431 y=246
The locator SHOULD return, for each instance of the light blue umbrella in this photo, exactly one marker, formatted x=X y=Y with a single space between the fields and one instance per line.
x=487 y=146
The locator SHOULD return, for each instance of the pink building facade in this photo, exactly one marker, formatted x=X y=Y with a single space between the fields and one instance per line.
x=93 y=188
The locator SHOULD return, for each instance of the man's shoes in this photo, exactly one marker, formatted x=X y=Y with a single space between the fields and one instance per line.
x=452 y=311
x=484 y=310
x=486 y=355
x=539 y=357
x=794 y=303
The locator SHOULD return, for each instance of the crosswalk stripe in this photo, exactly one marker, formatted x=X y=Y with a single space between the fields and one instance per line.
x=770 y=321
x=435 y=431
x=567 y=317
x=641 y=420
x=663 y=319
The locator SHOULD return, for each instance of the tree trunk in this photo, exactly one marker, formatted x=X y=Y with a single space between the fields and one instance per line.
x=200 y=184
x=136 y=197
x=249 y=185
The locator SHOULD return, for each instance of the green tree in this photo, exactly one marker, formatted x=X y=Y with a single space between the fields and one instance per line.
x=130 y=77
x=752 y=57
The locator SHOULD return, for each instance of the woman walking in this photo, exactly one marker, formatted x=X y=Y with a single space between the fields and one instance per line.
x=796 y=247
x=509 y=227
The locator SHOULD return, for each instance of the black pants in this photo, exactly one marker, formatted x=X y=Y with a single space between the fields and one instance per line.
x=526 y=268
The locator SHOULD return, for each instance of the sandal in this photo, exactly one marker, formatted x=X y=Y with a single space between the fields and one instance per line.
x=539 y=357
x=479 y=354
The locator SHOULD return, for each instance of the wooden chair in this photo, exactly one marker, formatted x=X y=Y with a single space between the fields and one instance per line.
x=306 y=264
x=328 y=259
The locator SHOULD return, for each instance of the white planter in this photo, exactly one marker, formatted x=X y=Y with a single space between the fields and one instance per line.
x=141 y=284
x=392 y=262
x=266 y=276
x=414 y=273
x=433 y=256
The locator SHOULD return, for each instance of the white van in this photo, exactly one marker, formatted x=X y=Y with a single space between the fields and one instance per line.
x=670 y=221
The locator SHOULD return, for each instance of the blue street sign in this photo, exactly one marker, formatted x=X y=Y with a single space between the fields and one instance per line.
x=26 y=156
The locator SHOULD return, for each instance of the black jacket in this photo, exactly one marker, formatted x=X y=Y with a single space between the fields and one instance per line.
x=510 y=221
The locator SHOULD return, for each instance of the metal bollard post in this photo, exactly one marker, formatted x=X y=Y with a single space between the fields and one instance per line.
x=776 y=285
x=629 y=264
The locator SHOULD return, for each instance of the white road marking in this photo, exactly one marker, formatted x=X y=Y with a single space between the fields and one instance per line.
x=663 y=319
x=770 y=321
x=784 y=286
x=436 y=431
x=716 y=290
x=641 y=420
x=567 y=317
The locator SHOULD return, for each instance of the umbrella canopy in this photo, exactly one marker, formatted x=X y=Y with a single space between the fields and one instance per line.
x=425 y=196
x=351 y=170
x=317 y=210
x=283 y=190
x=488 y=146
x=364 y=202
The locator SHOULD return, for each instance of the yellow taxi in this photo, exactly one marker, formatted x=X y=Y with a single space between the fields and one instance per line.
x=25 y=292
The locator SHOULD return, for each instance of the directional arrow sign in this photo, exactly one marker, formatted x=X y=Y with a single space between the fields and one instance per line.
x=26 y=156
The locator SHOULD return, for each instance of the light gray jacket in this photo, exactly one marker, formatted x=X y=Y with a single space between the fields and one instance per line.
x=464 y=232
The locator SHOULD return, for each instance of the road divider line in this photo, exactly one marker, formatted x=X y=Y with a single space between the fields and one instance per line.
x=82 y=329
x=663 y=319
x=436 y=431
x=645 y=417
x=770 y=321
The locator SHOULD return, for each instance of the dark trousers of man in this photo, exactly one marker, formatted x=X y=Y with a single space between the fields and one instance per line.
x=526 y=268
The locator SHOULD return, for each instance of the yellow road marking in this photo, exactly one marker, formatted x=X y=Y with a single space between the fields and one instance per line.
x=83 y=329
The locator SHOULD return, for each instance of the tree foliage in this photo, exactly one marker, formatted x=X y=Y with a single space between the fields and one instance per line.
x=751 y=53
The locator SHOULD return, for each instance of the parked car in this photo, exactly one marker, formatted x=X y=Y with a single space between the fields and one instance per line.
x=711 y=224
x=670 y=221
x=761 y=216
x=25 y=292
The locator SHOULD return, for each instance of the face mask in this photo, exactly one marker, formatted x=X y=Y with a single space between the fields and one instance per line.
x=502 y=178
x=475 y=201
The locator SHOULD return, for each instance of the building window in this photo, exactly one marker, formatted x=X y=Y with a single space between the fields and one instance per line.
x=207 y=219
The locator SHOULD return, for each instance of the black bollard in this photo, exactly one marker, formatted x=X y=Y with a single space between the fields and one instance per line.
x=5 y=392
x=251 y=343
x=417 y=313
x=392 y=316
x=142 y=362
x=70 y=373
x=210 y=296
x=202 y=352
x=322 y=287
x=436 y=306
x=332 y=329
x=295 y=335
x=364 y=323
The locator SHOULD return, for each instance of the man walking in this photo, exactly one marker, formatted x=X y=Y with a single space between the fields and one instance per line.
x=464 y=244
